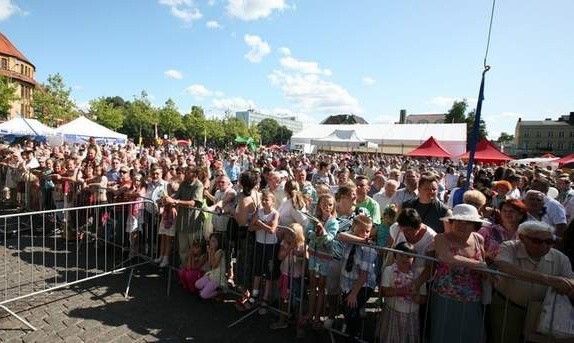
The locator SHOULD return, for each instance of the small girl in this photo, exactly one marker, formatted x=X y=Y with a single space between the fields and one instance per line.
x=215 y=277
x=383 y=232
x=265 y=225
x=400 y=313
x=166 y=230
x=194 y=269
x=321 y=233
x=292 y=256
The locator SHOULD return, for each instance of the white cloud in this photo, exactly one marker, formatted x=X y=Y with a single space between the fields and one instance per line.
x=9 y=8
x=173 y=74
x=305 y=67
x=218 y=94
x=368 y=81
x=83 y=106
x=253 y=9
x=284 y=51
x=183 y=9
x=259 y=48
x=211 y=2
x=309 y=93
x=198 y=91
x=234 y=103
x=212 y=24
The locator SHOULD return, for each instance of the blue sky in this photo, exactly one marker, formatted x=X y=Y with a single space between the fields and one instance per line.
x=311 y=58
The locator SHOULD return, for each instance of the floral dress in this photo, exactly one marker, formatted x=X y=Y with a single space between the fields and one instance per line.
x=456 y=302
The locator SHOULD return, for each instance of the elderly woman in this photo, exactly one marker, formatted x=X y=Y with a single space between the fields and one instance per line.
x=456 y=291
x=512 y=213
x=538 y=266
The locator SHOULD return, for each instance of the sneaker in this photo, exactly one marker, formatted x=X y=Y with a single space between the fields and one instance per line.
x=328 y=323
x=278 y=325
x=158 y=260
x=164 y=262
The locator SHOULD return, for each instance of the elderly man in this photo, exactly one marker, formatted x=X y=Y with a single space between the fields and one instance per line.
x=554 y=212
x=537 y=266
x=384 y=196
x=224 y=201
x=155 y=190
x=542 y=207
x=566 y=195
x=378 y=181
x=189 y=222
x=409 y=191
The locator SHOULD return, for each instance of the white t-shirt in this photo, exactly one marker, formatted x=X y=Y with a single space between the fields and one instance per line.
x=262 y=236
x=424 y=245
x=289 y=214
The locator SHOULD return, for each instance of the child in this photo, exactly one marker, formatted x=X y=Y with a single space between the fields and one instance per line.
x=358 y=272
x=215 y=277
x=166 y=231
x=383 y=231
x=292 y=256
x=194 y=269
x=265 y=225
x=400 y=313
x=321 y=234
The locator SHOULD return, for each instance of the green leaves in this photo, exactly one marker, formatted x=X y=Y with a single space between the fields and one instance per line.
x=105 y=113
x=52 y=102
x=7 y=96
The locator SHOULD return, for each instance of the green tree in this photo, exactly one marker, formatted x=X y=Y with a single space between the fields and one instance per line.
x=169 y=118
x=456 y=114
x=105 y=113
x=52 y=103
x=283 y=135
x=7 y=96
x=505 y=138
x=195 y=125
x=482 y=133
x=141 y=117
x=268 y=128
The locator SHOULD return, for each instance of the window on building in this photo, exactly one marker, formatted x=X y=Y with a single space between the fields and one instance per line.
x=526 y=133
x=538 y=134
x=4 y=63
x=537 y=145
x=525 y=146
x=561 y=134
x=549 y=146
x=571 y=134
x=550 y=133
x=561 y=146
x=572 y=146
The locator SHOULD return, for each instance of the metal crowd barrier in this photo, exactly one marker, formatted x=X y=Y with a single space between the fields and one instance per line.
x=48 y=250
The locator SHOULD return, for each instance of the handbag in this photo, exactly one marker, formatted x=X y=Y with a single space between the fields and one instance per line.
x=556 y=316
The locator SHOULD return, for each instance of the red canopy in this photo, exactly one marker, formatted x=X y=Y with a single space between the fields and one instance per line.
x=430 y=148
x=565 y=160
x=486 y=152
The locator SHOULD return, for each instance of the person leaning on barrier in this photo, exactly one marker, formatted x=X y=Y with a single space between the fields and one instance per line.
x=457 y=284
x=188 y=224
x=358 y=274
x=538 y=266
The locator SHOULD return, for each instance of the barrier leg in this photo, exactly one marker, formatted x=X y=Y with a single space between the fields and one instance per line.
x=22 y=320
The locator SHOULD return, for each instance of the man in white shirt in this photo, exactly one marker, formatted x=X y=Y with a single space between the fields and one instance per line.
x=410 y=191
x=385 y=195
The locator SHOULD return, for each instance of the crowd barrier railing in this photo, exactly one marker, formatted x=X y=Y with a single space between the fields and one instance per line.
x=48 y=250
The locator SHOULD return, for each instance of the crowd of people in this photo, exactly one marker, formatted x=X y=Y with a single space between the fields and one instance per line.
x=329 y=231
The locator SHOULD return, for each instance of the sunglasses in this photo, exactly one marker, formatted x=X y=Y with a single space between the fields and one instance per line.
x=539 y=241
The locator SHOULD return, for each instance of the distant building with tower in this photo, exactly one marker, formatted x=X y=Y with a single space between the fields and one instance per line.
x=18 y=70
x=252 y=117
x=428 y=118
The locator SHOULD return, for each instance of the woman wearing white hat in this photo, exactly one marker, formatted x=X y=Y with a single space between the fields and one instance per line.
x=456 y=291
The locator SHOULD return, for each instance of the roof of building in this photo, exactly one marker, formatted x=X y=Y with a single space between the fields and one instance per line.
x=339 y=119
x=7 y=48
x=542 y=122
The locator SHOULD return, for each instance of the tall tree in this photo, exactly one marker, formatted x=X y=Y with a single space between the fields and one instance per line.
x=505 y=138
x=7 y=96
x=141 y=117
x=169 y=118
x=457 y=113
x=195 y=125
x=482 y=133
x=105 y=113
x=52 y=102
x=283 y=135
x=268 y=128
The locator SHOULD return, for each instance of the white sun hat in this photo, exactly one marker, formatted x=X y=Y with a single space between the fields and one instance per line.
x=466 y=213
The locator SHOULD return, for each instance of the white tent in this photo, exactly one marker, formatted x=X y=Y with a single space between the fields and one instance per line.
x=390 y=138
x=25 y=127
x=346 y=139
x=81 y=129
